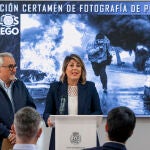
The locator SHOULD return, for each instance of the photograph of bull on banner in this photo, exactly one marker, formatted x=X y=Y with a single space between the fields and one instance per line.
x=114 y=48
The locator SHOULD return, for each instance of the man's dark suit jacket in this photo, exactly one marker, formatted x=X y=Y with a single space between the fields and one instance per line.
x=109 y=146
x=21 y=98
x=88 y=100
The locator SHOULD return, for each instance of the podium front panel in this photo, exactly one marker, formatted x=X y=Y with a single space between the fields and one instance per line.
x=75 y=132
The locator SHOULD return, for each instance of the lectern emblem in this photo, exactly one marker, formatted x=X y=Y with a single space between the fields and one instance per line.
x=75 y=138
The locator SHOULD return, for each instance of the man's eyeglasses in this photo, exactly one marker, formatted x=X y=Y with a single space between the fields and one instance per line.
x=11 y=67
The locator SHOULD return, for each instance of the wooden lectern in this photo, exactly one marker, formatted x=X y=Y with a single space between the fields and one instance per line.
x=75 y=131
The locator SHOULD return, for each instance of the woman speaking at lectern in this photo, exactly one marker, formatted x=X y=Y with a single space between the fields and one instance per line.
x=72 y=95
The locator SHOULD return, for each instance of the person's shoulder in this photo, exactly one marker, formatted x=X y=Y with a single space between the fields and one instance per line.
x=55 y=83
x=54 y=86
x=18 y=82
x=94 y=148
x=90 y=83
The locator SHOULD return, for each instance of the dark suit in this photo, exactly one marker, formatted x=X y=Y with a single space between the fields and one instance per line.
x=109 y=146
x=88 y=100
x=21 y=99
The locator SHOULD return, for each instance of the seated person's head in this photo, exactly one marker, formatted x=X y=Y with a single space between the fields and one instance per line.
x=120 y=124
x=27 y=125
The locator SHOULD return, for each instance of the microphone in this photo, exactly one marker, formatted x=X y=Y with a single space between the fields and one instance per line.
x=62 y=106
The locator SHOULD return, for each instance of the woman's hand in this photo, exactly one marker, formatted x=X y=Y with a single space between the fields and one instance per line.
x=49 y=122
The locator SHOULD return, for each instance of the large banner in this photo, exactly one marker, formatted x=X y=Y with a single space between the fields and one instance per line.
x=41 y=33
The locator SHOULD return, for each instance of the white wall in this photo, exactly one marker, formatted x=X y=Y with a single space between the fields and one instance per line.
x=140 y=139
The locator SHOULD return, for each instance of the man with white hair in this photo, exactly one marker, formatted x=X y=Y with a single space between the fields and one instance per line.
x=13 y=96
